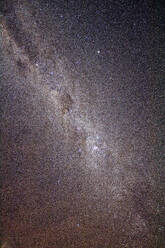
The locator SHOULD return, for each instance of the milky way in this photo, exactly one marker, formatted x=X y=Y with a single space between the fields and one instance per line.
x=78 y=126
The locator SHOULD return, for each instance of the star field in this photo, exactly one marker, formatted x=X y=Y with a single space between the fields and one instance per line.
x=79 y=125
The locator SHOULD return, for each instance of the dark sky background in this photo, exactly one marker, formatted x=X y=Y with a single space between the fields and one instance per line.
x=123 y=28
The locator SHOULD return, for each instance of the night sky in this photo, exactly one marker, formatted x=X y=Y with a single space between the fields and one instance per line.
x=81 y=124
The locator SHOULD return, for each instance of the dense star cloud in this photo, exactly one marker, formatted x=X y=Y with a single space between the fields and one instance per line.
x=79 y=124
